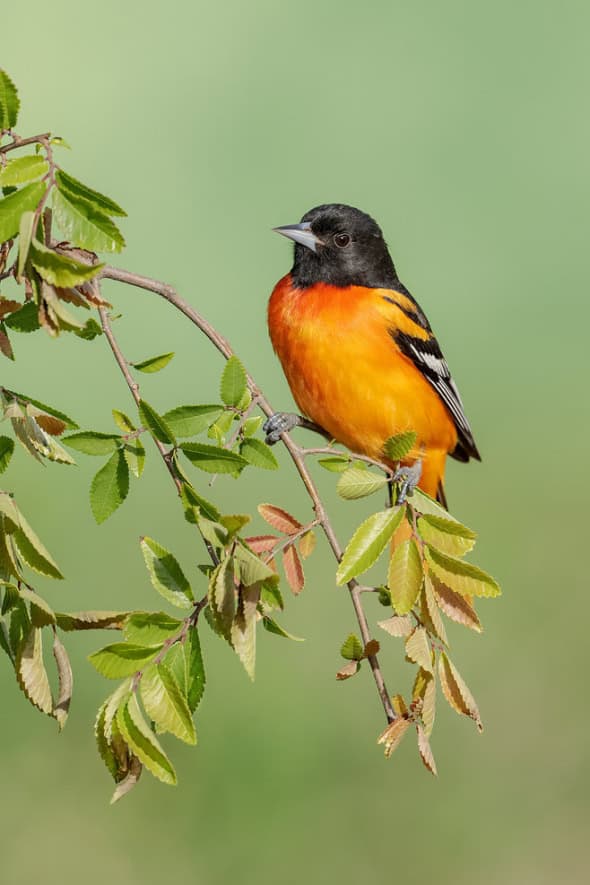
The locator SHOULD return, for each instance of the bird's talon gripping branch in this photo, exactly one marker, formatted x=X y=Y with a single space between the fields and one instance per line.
x=409 y=477
x=280 y=422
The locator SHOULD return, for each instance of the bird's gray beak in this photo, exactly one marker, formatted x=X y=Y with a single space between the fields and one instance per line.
x=301 y=233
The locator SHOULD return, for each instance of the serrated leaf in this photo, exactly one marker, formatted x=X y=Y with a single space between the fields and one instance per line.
x=42 y=615
x=91 y=620
x=271 y=626
x=24 y=320
x=393 y=734
x=150 y=628
x=307 y=544
x=348 y=670
x=33 y=551
x=155 y=423
x=6 y=452
x=425 y=750
x=166 y=574
x=165 y=704
x=22 y=169
x=423 y=503
x=335 y=464
x=213 y=459
x=279 y=519
x=400 y=445
x=293 y=569
x=397 y=626
x=456 y=691
x=195 y=669
x=31 y=673
x=103 y=745
x=456 y=607
x=399 y=705
x=462 y=577
x=251 y=425
x=143 y=741
x=185 y=421
x=194 y=505
x=433 y=611
x=5 y=345
x=446 y=535
x=233 y=382
x=122 y=659
x=234 y=522
x=222 y=595
x=91 y=442
x=352 y=648
x=85 y=225
x=258 y=454
x=262 y=543
x=358 y=483
x=368 y=543
x=243 y=632
x=59 y=270
x=154 y=363
x=70 y=185
x=418 y=649
x=404 y=577
x=252 y=569
x=134 y=452
x=129 y=781
x=123 y=422
x=109 y=487
x=61 y=416
x=9 y=102
x=12 y=207
x=429 y=705
x=65 y=682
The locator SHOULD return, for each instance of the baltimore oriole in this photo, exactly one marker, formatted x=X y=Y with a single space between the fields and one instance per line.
x=359 y=354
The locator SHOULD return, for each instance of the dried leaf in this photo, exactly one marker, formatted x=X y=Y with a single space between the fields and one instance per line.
x=418 y=649
x=429 y=705
x=129 y=781
x=433 y=610
x=31 y=673
x=399 y=705
x=348 y=670
x=371 y=648
x=279 y=519
x=425 y=750
x=397 y=626
x=456 y=691
x=65 y=682
x=455 y=606
x=392 y=735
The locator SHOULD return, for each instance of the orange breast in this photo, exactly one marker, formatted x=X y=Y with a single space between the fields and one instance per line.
x=347 y=374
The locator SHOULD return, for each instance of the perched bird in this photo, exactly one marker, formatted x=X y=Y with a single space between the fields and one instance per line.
x=357 y=350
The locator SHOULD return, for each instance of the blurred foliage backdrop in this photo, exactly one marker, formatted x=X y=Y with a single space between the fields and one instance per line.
x=463 y=128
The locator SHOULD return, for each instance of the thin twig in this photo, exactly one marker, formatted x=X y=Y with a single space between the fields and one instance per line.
x=295 y=451
x=22 y=142
x=326 y=450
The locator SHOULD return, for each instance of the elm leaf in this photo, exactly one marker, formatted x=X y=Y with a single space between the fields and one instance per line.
x=65 y=682
x=213 y=459
x=185 y=421
x=91 y=442
x=12 y=207
x=143 y=741
x=165 y=704
x=358 y=483
x=460 y=576
x=74 y=188
x=22 y=169
x=109 y=487
x=9 y=102
x=400 y=445
x=404 y=577
x=60 y=270
x=368 y=543
x=166 y=574
x=233 y=382
x=155 y=423
x=122 y=659
x=6 y=451
x=258 y=454
x=153 y=363
x=85 y=225
x=31 y=673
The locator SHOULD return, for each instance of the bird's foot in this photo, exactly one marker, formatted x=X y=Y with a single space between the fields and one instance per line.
x=280 y=422
x=283 y=422
x=408 y=477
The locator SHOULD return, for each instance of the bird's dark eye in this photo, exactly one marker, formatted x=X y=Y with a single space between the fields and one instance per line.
x=342 y=240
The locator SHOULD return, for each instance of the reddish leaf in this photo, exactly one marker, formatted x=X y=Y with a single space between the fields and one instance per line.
x=261 y=543
x=293 y=569
x=71 y=296
x=5 y=345
x=7 y=306
x=371 y=648
x=279 y=519
x=51 y=425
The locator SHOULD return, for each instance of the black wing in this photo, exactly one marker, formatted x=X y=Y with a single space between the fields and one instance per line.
x=428 y=358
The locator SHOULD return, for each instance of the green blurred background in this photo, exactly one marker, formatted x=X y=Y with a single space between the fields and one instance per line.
x=463 y=128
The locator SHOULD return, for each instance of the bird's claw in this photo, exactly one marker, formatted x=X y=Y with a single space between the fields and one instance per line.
x=280 y=422
x=408 y=477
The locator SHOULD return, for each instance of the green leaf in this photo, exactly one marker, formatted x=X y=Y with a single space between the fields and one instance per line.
x=31 y=673
x=186 y=421
x=6 y=450
x=462 y=577
x=222 y=595
x=219 y=428
x=26 y=319
x=258 y=454
x=75 y=189
x=423 y=503
x=368 y=543
x=61 y=416
x=22 y=169
x=337 y=464
x=143 y=741
x=89 y=331
x=25 y=238
x=446 y=535
x=91 y=442
x=165 y=704
x=213 y=459
x=405 y=576
x=33 y=551
x=272 y=627
x=122 y=659
x=109 y=487
x=150 y=628
x=155 y=423
x=252 y=569
x=243 y=633
x=9 y=102
x=400 y=445
x=85 y=225
x=233 y=382
x=154 y=363
x=59 y=270
x=234 y=522
x=194 y=505
x=195 y=669
x=91 y=620
x=166 y=574
x=123 y=422
x=352 y=648
x=134 y=452
x=358 y=483
x=12 y=207
x=251 y=425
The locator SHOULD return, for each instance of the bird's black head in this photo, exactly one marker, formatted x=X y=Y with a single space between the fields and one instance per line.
x=339 y=245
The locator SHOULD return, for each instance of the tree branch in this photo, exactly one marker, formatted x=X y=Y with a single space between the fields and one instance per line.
x=296 y=453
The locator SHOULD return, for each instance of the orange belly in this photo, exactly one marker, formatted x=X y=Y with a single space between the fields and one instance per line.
x=347 y=374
